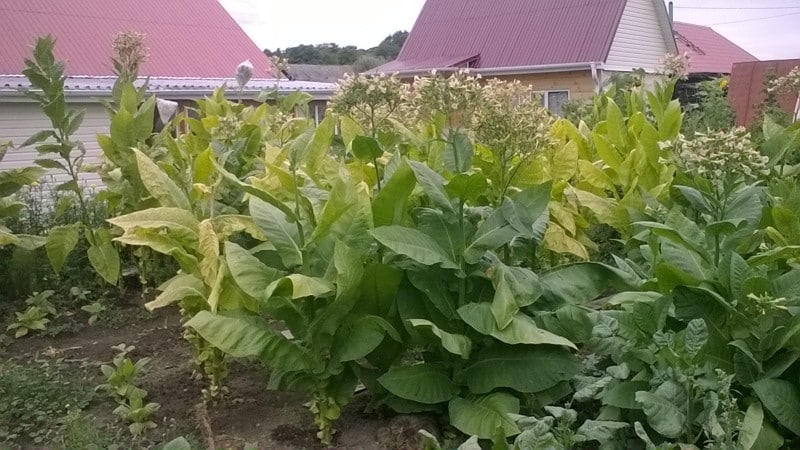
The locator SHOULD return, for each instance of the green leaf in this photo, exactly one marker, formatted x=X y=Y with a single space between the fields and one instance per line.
x=178 y=288
x=174 y=219
x=696 y=337
x=250 y=337
x=40 y=136
x=602 y=431
x=250 y=274
x=750 y=427
x=782 y=399
x=456 y=344
x=104 y=257
x=467 y=187
x=515 y=287
x=512 y=366
x=423 y=383
x=413 y=244
x=432 y=184
x=493 y=233
x=303 y=286
x=61 y=241
x=279 y=230
x=365 y=335
x=256 y=192
x=662 y=414
x=527 y=211
x=389 y=206
x=581 y=283
x=366 y=148
x=458 y=153
x=483 y=415
x=623 y=395
x=521 y=330
x=159 y=184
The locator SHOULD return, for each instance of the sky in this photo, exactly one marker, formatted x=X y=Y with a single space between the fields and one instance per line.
x=364 y=23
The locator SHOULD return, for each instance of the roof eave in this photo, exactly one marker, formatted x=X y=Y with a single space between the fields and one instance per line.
x=496 y=71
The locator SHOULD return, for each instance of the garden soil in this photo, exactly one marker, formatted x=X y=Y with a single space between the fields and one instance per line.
x=249 y=414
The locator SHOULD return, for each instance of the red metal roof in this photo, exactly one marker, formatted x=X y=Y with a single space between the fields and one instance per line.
x=510 y=33
x=709 y=51
x=186 y=38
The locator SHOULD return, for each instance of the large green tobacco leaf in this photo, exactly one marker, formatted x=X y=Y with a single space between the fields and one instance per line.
x=623 y=395
x=162 y=243
x=389 y=206
x=521 y=330
x=364 y=336
x=527 y=211
x=104 y=257
x=178 y=288
x=482 y=416
x=347 y=216
x=662 y=414
x=378 y=289
x=458 y=153
x=522 y=368
x=423 y=383
x=279 y=230
x=443 y=229
x=493 y=233
x=456 y=344
x=159 y=184
x=250 y=337
x=296 y=286
x=515 y=287
x=249 y=272
x=696 y=337
x=467 y=187
x=60 y=243
x=751 y=426
x=581 y=283
x=366 y=148
x=177 y=220
x=432 y=184
x=413 y=244
x=782 y=399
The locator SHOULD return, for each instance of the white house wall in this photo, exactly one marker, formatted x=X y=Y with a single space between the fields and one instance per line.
x=640 y=40
x=21 y=120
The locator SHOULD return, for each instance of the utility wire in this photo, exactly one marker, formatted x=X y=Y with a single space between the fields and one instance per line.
x=757 y=18
x=735 y=8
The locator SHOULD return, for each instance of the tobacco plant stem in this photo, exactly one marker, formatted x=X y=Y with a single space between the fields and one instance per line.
x=298 y=223
x=377 y=173
x=462 y=282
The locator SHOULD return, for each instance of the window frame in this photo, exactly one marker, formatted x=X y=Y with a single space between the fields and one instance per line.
x=545 y=93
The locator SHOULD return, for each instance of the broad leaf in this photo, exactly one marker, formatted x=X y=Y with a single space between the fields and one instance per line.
x=521 y=330
x=249 y=272
x=159 y=184
x=250 y=337
x=61 y=241
x=279 y=231
x=782 y=399
x=179 y=288
x=104 y=257
x=512 y=366
x=413 y=244
x=662 y=414
x=364 y=336
x=456 y=344
x=482 y=416
x=423 y=383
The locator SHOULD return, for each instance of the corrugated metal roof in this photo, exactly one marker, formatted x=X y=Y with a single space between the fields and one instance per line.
x=174 y=88
x=187 y=38
x=510 y=33
x=709 y=51
x=321 y=73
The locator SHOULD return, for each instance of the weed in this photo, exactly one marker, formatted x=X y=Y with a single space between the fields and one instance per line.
x=35 y=396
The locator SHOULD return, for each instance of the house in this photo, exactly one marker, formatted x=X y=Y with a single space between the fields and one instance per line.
x=710 y=54
x=566 y=49
x=194 y=46
x=747 y=89
x=318 y=73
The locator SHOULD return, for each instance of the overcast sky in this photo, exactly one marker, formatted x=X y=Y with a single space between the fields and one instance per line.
x=364 y=23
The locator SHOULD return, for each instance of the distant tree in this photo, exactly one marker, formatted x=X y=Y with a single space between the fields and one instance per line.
x=332 y=54
x=366 y=62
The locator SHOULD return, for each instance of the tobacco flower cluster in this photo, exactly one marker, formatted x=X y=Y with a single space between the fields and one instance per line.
x=130 y=53
x=720 y=155
x=676 y=65
x=788 y=83
x=370 y=101
x=456 y=97
x=510 y=121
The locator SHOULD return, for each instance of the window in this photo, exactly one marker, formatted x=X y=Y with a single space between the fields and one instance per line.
x=553 y=100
